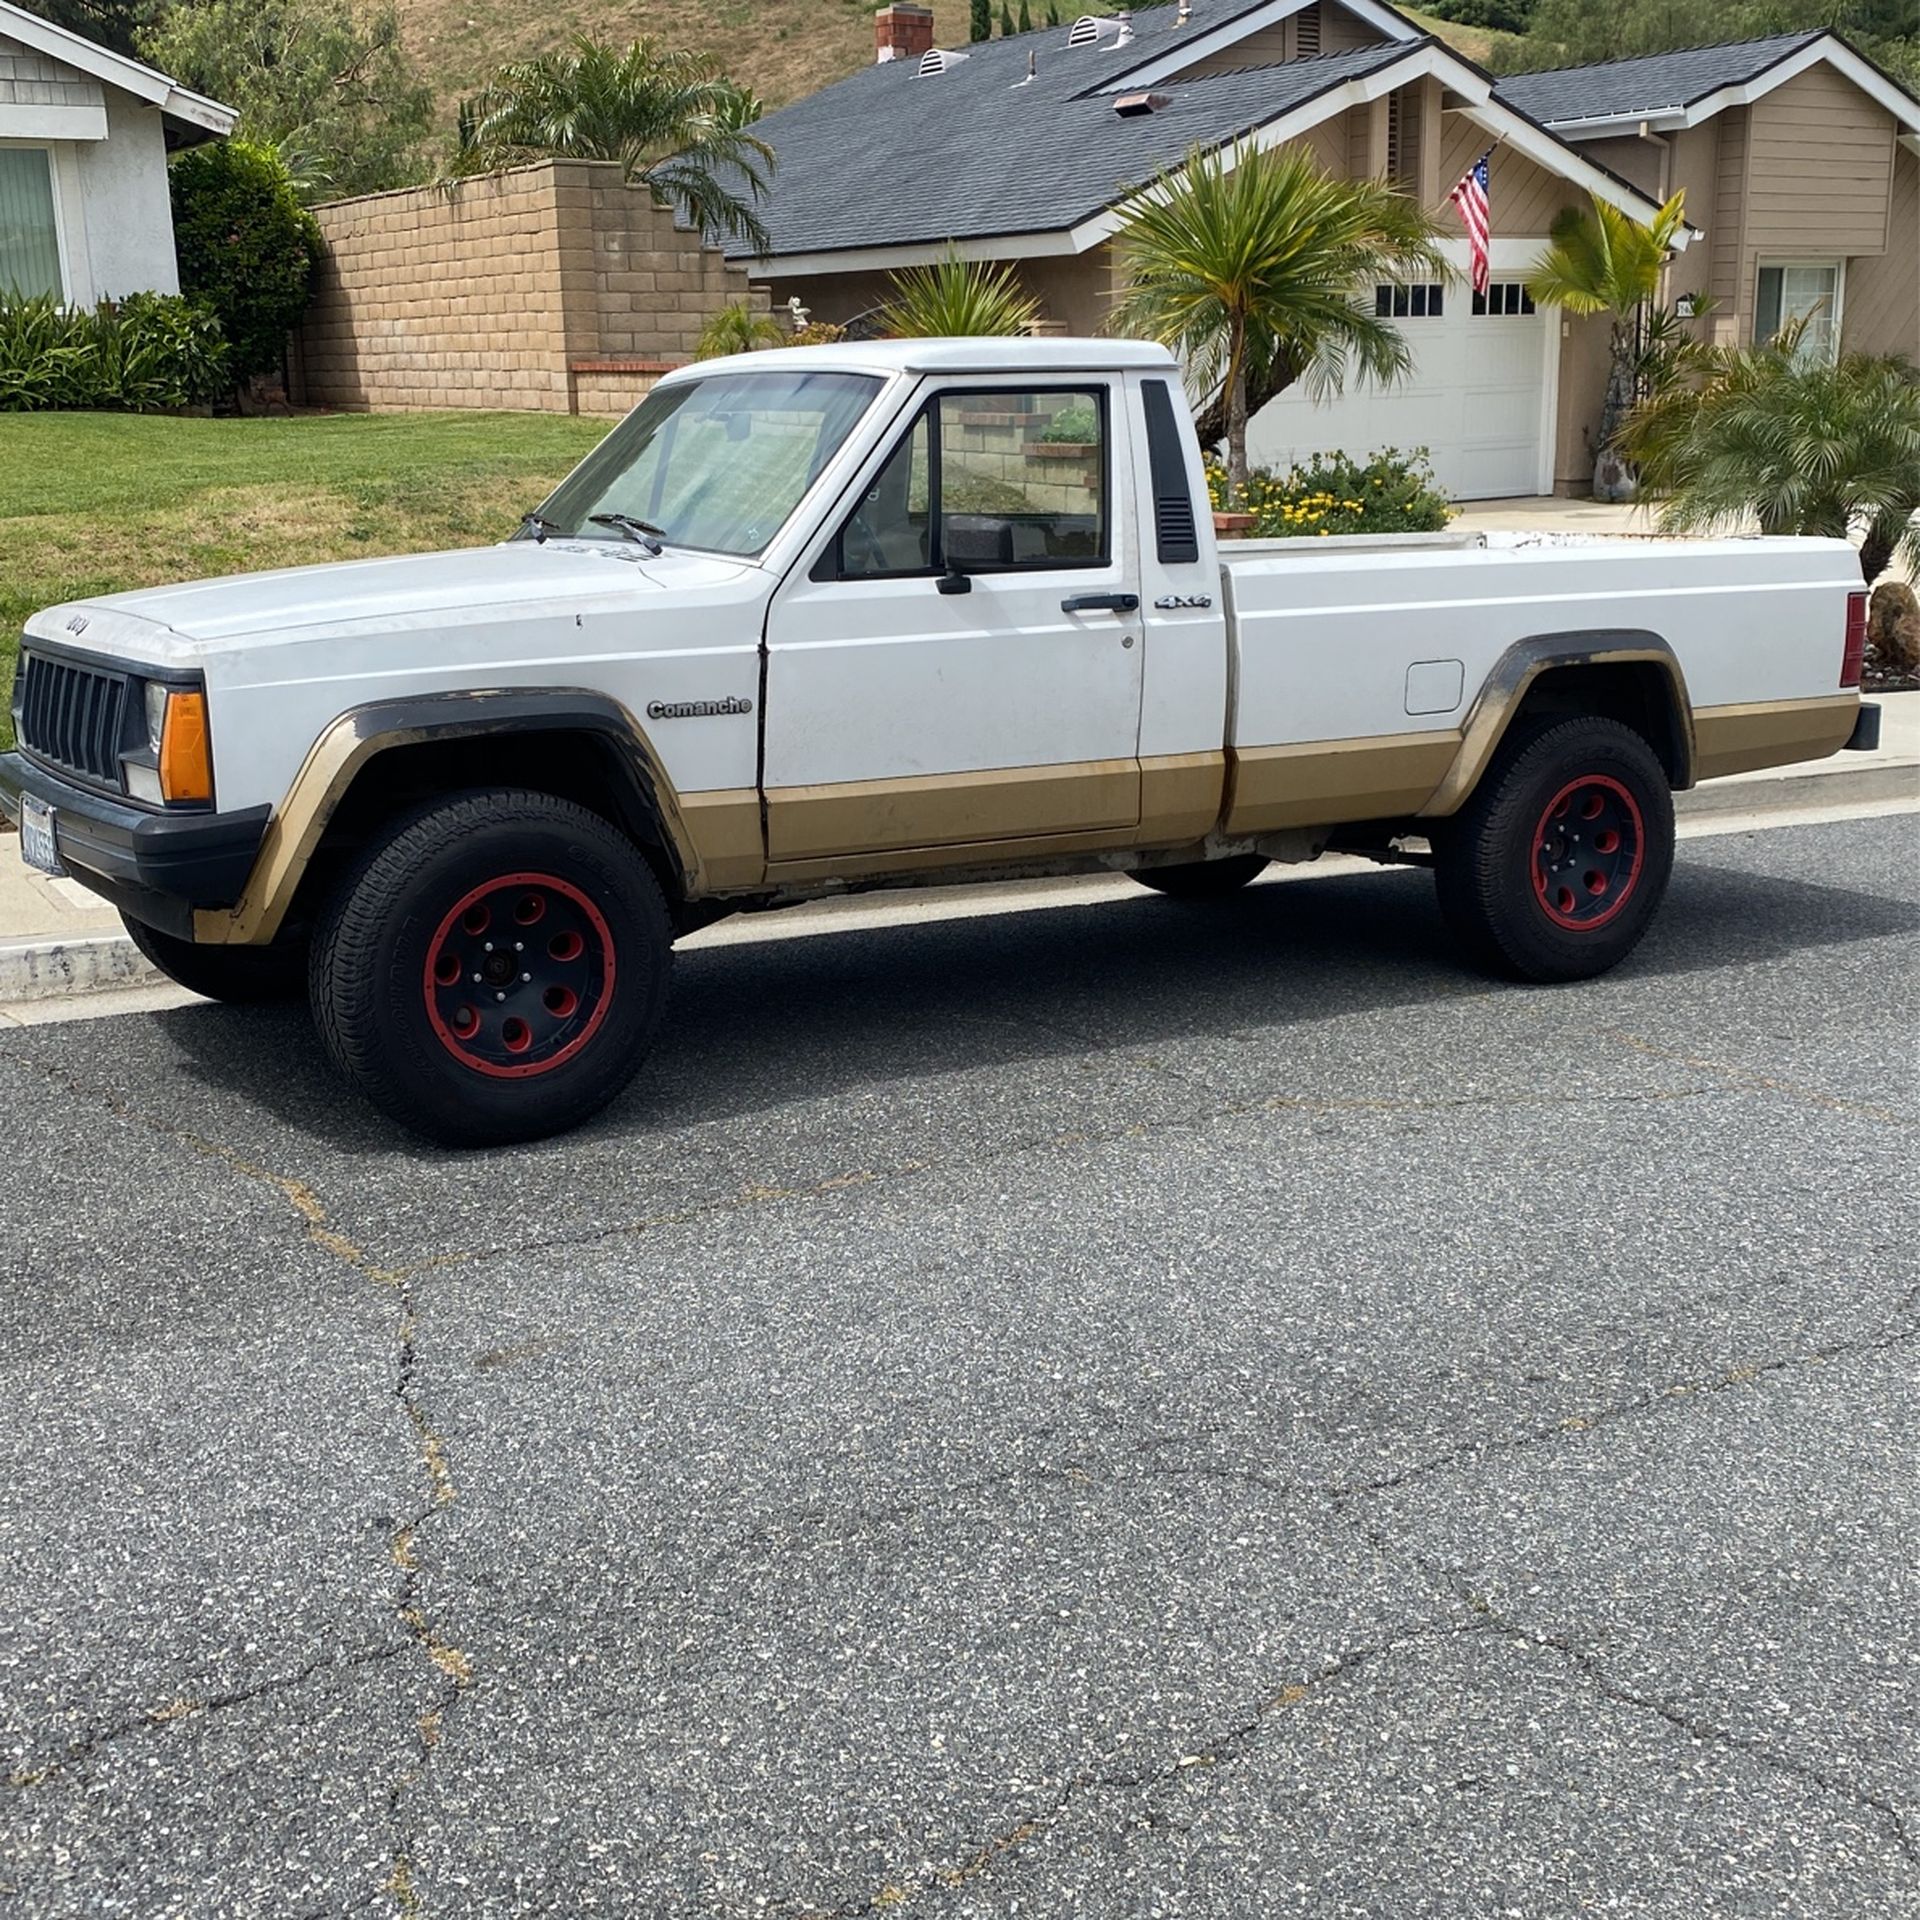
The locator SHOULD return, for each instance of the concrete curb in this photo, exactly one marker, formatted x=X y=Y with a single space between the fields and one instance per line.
x=1832 y=786
x=38 y=968
x=43 y=967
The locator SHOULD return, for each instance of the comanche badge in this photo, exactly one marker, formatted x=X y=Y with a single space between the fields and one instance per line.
x=696 y=709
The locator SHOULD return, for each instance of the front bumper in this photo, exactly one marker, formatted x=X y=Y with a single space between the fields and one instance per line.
x=158 y=867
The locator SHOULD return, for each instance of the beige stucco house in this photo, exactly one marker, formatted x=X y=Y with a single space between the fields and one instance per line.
x=1800 y=160
x=84 y=139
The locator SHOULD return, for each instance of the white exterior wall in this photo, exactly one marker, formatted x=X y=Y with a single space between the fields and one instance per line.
x=110 y=203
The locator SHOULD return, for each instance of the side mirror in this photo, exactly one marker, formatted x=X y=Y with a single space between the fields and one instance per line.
x=954 y=581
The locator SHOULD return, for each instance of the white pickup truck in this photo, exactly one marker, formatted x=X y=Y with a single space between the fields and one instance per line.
x=838 y=617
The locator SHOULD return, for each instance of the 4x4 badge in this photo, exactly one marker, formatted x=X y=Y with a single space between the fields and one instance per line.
x=1170 y=602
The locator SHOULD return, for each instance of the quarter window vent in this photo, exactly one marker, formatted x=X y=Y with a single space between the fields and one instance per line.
x=1131 y=105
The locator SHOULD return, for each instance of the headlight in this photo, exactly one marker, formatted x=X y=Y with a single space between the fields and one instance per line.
x=177 y=762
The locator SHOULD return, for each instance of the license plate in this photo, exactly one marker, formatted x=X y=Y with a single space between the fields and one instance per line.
x=36 y=836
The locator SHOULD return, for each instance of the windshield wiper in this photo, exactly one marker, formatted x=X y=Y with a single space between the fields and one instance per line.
x=644 y=531
x=539 y=525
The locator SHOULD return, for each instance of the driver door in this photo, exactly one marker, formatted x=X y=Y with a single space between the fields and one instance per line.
x=960 y=664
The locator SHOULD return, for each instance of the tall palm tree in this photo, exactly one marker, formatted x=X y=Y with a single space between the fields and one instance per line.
x=956 y=297
x=1263 y=263
x=1605 y=261
x=1798 y=445
x=671 y=119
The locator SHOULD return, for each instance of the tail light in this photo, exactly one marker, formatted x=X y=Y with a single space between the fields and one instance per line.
x=1854 y=658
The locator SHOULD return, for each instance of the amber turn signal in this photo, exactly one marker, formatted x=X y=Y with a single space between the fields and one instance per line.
x=186 y=757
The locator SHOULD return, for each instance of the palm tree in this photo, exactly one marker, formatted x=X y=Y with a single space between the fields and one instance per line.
x=1605 y=261
x=738 y=329
x=1798 y=446
x=957 y=297
x=1259 y=268
x=671 y=119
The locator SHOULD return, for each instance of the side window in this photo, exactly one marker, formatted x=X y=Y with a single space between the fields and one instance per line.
x=987 y=482
x=891 y=530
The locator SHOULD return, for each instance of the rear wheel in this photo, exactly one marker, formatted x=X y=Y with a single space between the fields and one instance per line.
x=243 y=976
x=1556 y=865
x=495 y=969
x=1205 y=879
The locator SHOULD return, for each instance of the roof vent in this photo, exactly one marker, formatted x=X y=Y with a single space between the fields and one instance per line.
x=1130 y=105
x=937 y=60
x=1090 y=30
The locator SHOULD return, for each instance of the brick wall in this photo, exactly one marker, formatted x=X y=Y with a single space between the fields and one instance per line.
x=553 y=286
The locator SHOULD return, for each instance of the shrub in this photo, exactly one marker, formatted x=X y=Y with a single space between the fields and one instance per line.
x=1389 y=492
x=146 y=353
x=817 y=333
x=247 y=247
x=1075 y=425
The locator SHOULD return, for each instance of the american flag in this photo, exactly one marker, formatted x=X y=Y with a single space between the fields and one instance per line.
x=1475 y=209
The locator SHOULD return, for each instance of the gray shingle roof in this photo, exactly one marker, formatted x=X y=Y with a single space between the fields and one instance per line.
x=888 y=159
x=1656 y=83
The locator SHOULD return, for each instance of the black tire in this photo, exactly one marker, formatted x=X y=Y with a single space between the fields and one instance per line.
x=242 y=976
x=563 y=1004
x=1558 y=862
x=1205 y=879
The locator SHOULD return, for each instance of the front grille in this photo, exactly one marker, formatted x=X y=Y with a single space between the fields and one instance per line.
x=74 y=717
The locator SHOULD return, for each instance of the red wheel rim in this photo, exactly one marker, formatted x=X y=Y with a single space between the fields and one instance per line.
x=519 y=975
x=1587 y=853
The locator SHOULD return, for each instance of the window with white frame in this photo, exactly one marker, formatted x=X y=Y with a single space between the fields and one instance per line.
x=29 y=244
x=1806 y=290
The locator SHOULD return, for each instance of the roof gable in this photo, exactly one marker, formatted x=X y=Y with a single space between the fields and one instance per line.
x=191 y=113
x=1692 y=84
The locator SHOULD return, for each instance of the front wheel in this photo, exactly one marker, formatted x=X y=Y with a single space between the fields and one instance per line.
x=1554 y=868
x=493 y=970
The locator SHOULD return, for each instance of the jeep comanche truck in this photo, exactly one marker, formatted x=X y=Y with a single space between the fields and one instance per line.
x=839 y=617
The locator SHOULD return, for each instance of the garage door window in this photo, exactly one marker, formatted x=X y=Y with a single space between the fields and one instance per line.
x=1503 y=297
x=29 y=249
x=1420 y=302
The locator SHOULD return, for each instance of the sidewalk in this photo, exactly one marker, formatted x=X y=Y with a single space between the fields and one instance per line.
x=58 y=939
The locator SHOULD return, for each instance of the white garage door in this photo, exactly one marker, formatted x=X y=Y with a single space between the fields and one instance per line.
x=1477 y=398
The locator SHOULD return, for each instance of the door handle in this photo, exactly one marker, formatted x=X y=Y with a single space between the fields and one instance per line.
x=1100 y=603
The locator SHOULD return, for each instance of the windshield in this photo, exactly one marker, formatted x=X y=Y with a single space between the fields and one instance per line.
x=718 y=463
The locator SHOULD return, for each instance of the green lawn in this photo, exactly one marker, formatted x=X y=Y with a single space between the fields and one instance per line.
x=99 y=502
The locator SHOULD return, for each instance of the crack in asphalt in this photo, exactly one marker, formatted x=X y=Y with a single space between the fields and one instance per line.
x=1221 y=1748
x=189 y=1707
x=1593 y=1671
x=452 y=1665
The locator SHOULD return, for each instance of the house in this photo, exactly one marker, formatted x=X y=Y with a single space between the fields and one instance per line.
x=84 y=139
x=1025 y=150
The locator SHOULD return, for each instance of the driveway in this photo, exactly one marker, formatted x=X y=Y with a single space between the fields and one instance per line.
x=1111 y=1408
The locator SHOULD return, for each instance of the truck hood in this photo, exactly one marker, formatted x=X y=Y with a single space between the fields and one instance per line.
x=410 y=590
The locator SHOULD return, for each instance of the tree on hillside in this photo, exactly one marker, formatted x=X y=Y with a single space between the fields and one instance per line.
x=1601 y=260
x=672 y=120
x=332 y=89
x=1575 y=33
x=1800 y=445
x=110 y=23
x=1261 y=273
x=980 y=20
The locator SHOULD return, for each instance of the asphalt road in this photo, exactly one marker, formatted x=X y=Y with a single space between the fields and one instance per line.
x=1119 y=1409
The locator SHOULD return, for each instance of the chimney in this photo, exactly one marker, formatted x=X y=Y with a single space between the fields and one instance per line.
x=902 y=31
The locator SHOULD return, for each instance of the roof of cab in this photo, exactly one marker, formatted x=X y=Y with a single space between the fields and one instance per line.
x=972 y=355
